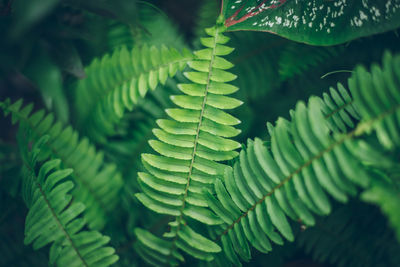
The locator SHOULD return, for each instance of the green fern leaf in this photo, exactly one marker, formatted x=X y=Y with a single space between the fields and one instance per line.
x=118 y=81
x=307 y=163
x=339 y=239
x=98 y=184
x=53 y=217
x=190 y=147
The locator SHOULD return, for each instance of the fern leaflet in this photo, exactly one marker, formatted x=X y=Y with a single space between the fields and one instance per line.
x=338 y=108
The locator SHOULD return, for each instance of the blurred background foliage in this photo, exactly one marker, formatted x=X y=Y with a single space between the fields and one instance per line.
x=45 y=45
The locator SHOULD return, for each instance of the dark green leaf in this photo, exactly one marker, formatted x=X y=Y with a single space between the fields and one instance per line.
x=317 y=22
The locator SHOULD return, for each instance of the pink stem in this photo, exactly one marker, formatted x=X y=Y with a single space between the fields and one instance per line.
x=231 y=20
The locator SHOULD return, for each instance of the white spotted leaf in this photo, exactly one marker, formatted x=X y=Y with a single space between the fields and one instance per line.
x=316 y=22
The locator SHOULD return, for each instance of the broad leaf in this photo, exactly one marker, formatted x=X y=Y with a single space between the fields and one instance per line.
x=317 y=22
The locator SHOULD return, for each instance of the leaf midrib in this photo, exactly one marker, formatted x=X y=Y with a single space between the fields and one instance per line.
x=63 y=159
x=179 y=219
x=339 y=108
x=53 y=213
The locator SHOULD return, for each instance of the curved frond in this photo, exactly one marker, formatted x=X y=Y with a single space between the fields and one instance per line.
x=298 y=58
x=189 y=148
x=118 y=81
x=54 y=218
x=98 y=184
x=340 y=239
x=308 y=164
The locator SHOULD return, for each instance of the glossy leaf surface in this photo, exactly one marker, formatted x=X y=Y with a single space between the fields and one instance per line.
x=316 y=22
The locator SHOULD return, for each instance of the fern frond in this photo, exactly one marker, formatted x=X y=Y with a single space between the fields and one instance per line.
x=298 y=58
x=98 y=184
x=119 y=35
x=189 y=147
x=53 y=217
x=117 y=82
x=306 y=164
x=339 y=239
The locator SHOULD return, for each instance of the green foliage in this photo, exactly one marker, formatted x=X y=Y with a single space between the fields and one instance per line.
x=206 y=16
x=385 y=193
x=377 y=98
x=306 y=162
x=257 y=59
x=53 y=217
x=153 y=35
x=338 y=108
x=119 y=35
x=118 y=81
x=340 y=238
x=292 y=63
x=190 y=147
x=316 y=22
x=47 y=76
x=142 y=143
x=98 y=184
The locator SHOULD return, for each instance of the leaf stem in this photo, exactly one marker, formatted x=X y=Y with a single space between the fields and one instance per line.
x=261 y=8
x=179 y=219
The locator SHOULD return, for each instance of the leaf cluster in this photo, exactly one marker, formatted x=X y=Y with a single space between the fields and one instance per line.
x=159 y=133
